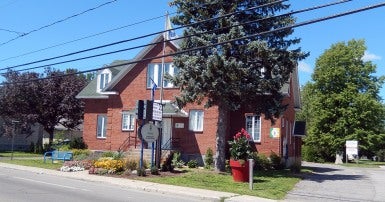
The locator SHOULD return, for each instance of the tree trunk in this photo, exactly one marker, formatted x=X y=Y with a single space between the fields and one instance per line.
x=220 y=162
x=50 y=132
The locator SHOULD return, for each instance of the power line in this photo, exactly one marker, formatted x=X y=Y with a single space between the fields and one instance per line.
x=11 y=31
x=141 y=46
x=143 y=36
x=82 y=38
x=56 y=22
x=216 y=44
x=86 y=37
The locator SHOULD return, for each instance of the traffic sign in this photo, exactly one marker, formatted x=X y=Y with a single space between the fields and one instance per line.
x=150 y=132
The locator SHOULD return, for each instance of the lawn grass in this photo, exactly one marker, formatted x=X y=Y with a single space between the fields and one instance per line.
x=39 y=163
x=365 y=164
x=28 y=159
x=19 y=154
x=267 y=184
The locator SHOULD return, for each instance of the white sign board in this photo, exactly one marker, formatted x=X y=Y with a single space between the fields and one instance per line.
x=351 y=147
x=150 y=132
x=157 y=111
x=352 y=143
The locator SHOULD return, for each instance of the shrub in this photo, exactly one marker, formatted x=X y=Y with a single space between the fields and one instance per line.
x=132 y=164
x=81 y=154
x=381 y=155
x=108 y=154
x=276 y=161
x=310 y=153
x=167 y=164
x=192 y=163
x=177 y=161
x=110 y=164
x=77 y=143
x=142 y=172
x=154 y=170
x=118 y=155
x=261 y=162
x=209 y=158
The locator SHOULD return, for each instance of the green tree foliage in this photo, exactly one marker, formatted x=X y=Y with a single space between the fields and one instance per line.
x=342 y=103
x=30 y=99
x=239 y=73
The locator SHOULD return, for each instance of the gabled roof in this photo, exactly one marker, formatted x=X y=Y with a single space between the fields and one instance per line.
x=90 y=92
x=140 y=56
x=118 y=72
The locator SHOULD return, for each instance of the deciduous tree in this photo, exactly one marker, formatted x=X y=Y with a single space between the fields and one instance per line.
x=342 y=102
x=30 y=99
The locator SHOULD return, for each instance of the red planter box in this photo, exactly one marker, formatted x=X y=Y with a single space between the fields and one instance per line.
x=240 y=171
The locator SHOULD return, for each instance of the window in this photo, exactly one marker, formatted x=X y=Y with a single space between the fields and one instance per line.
x=253 y=127
x=103 y=79
x=154 y=72
x=196 y=120
x=128 y=121
x=101 y=126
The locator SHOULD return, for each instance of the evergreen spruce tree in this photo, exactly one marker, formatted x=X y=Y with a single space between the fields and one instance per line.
x=239 y=73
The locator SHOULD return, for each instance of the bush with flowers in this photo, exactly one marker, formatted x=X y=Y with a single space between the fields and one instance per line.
x=110 y=164
x=240 y=148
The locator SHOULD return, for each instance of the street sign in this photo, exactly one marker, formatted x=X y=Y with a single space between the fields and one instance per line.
x=157 y=111
x=150 y=132
x=351 y=149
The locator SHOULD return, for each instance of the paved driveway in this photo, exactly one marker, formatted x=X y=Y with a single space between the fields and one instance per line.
x=338 y=183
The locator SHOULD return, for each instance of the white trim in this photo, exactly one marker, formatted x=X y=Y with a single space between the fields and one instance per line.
x=196 y=120
x=132 y=121
x=253 y=127
x=104 y=72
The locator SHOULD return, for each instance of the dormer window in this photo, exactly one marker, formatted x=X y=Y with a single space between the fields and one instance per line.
x=104 y=78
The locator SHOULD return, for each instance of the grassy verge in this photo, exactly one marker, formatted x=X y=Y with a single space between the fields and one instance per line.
x=33 y=163
x=18 y=154
x=365 y=164
x=27 y=159
x=267 y=184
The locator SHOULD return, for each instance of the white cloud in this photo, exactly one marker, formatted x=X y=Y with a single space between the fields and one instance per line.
x=304 y=67
x=370 y=56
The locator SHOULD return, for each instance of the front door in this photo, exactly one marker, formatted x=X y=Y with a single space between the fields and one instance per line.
x=166 y=133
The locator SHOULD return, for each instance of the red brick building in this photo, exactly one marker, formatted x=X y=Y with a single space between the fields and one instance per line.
x=110 y=100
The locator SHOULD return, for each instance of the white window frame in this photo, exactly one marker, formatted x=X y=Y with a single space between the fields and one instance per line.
x=255 y=129
x=154 y=72
x=196 y=118
x=101 y=126
x=128 y=121
x=104 y=77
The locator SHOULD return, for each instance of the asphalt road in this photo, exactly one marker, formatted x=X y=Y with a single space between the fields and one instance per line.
x=339 y=183
x=20 y=185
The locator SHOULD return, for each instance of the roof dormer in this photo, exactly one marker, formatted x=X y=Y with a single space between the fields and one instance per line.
x=104 y=77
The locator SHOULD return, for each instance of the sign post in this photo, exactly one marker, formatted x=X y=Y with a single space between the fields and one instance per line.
x=351 y=149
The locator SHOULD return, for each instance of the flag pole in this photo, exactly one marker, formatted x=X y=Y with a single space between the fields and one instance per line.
x=158 y=151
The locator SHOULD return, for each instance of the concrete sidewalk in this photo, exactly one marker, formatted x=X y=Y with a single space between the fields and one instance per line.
x=200 y=194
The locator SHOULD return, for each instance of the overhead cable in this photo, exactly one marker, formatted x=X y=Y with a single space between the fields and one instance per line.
x=150 y=44
x=56 y=22
x=173 y=29
x=215 y=44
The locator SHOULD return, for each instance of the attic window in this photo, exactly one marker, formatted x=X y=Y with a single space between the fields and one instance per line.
x=104 y=78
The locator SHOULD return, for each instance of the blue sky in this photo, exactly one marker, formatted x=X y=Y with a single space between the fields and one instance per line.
x=24 y=16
